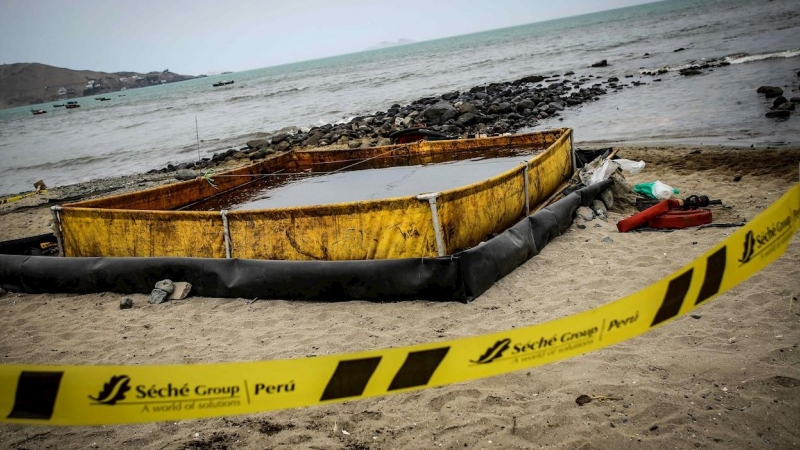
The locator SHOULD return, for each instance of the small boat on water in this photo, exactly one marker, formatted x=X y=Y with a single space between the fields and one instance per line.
x=71 y=105
x=104 y=99
x=222 y=83
x=60 y=105
x=36 y=112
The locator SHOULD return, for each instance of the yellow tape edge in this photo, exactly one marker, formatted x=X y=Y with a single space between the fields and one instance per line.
x=94 y=395
x=16 y=198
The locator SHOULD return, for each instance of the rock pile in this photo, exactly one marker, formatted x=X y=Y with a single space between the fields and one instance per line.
x=781 y=107
x=491 y=109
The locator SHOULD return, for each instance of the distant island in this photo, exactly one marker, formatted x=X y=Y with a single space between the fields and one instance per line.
x=385 y=44
x=24 y=84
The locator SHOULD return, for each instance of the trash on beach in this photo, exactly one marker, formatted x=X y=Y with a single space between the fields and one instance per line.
x=655 y=189
x=630 y=166
x=603 y=172
x=601 y=168
x=671 y=214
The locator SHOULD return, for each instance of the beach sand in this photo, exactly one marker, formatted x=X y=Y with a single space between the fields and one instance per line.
x=726 y=377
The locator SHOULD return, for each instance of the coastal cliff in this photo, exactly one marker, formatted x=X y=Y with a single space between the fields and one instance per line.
x=31 y=83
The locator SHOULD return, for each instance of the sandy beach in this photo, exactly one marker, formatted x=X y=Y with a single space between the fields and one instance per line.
x=726 y=377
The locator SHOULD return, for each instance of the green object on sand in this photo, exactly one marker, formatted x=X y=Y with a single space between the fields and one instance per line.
x=655 y=190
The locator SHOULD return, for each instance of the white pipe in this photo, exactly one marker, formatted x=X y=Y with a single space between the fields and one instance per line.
x=227 y=233
x=437 y=230
x=527 y=189
x=57 y=228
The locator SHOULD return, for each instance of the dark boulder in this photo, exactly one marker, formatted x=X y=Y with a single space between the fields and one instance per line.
x=779 y=101
x=279 y=137
x=795 y=99
x=771 y=91
x=257 y=143
x=529 y=79
x=525 y=104
x=467 y=107
x=678 y=50
x=451 y=95
x=778 y=114
x=261 y=154
x=466 y=119
x=313 y=140
x=569 y=73
x=439 y=113
x=613 y=79
x=690 y=71
x=603 y=63
x=186 y=175
x=788 y=106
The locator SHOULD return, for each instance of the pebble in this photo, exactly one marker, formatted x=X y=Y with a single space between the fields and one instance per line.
x=158 y=296
x=599 y=209
x=166 y=286
x=126 y=303
x=608 y=240
x=585 y=213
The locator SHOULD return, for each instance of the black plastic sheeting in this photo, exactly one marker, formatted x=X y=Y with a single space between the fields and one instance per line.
x=32 y=245
x=460 y=277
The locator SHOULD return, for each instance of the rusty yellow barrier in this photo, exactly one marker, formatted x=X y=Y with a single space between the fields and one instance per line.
x=146 y=223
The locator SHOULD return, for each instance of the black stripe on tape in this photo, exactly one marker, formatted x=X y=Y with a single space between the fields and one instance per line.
x=350 y=378
x=676 y=292
x=715 y=269
x=418 y=368
x=36 y=395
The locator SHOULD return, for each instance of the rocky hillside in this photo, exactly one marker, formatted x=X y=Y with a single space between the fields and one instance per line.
x=30 y=83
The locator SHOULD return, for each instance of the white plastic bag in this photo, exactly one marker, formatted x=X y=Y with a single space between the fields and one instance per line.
x=603 y=172
x=628 y=165
x=662 y=191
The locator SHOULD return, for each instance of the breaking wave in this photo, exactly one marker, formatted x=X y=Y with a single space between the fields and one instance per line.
x=745 y=58
x=736 y=58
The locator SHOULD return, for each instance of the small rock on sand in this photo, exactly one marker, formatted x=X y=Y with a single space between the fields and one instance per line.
x=126 y=303
x=166 y=286
x=585 y=213
x=158 y=296
x=600 y=209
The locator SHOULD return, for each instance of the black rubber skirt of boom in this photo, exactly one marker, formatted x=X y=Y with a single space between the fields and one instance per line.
x=460 y=277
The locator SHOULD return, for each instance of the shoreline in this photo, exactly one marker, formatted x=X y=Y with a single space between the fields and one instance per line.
x=528 y=103
x=725 y=377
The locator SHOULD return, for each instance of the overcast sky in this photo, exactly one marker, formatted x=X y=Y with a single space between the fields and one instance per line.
x=200 y=36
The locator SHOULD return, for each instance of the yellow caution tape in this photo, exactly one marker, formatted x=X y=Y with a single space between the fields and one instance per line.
x=91 y=395
x=16 y=198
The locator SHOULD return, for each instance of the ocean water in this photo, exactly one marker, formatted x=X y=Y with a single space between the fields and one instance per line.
x=151 y=127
